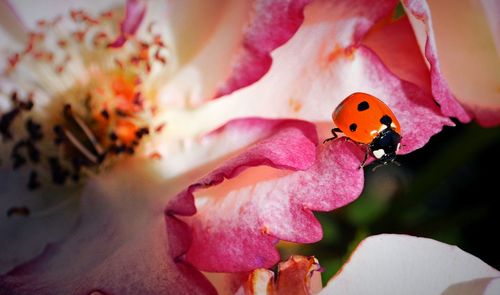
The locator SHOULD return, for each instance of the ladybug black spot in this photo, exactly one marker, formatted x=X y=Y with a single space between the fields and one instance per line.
x=353 y=127
x=363 y=106
x=386 y=120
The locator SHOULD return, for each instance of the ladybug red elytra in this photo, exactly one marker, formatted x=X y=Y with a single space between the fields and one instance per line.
x=367 y=120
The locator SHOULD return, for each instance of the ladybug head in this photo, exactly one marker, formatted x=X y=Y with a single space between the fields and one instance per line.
x=385 y=145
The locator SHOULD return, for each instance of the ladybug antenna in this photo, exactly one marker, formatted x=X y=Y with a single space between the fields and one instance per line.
x=382 y=164
x=376 y=167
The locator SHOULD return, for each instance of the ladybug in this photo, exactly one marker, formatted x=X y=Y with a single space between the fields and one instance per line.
x=368 y=121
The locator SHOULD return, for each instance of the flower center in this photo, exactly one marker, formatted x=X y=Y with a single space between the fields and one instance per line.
x=78 y=104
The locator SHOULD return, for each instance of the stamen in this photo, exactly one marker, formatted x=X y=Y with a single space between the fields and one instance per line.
x=18 y=160
x=59 y=174
x=105 y=86
x=34 y=130
x=89 y=134
x=33 y=182
x=22 y=211
x=6 y=122
x=59 y=134
x=76 y=143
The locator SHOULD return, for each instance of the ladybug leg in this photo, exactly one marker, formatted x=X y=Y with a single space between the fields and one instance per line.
x=367 y=151
x=334 y=133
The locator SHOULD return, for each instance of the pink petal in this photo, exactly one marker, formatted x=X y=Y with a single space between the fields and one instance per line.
x=134 y=14
x=222 y=46
x=269 y=205
x=398 y=264
x=308 y=82
x=473 y=80
x=11 y=26
x=123 y=244
x=396 y=45
x=443 y=95
x=227 y=283
x=239 y=221
x=271 y=25
x=486 y=116
x=491 y=10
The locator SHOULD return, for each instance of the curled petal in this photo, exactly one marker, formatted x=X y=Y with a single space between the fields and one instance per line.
x=308 y=82
x=271 y=25
x=398 y=264
x=238 y=222
x=473 y=80
x=123 y=244
x=298 y=275
x=134 y=14
x=223 y=46
x=394 y=42
x=263 y=140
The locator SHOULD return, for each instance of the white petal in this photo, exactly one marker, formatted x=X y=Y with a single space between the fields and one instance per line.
x=493 y=287
x=52 y=216
x=31 y=11
x=399 y=264
x=205 y=36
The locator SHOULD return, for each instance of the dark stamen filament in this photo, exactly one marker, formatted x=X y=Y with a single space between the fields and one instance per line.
x=90 y=135
x=77 y=144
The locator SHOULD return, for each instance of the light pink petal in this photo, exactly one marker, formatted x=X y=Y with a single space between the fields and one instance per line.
x=195 y=158
x=271 y=25
x=399 y=264
x=440 y=89
x=492 y=9
x=123 y=244
x=222 y=46
x=396 y=45
x=324 y=62
x=239 y=221
x=464 y=65
x=11 y=28
x=227 y=283
x=134 y=14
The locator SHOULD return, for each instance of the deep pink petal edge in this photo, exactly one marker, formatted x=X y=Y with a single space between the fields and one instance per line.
x=272 y=24
x=134 y=14
x=238 y=231
x=419 y=116
x=442 y=93
x=274 y=148
x=487 y=117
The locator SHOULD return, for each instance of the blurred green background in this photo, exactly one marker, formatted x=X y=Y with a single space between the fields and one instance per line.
x=448 y=191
